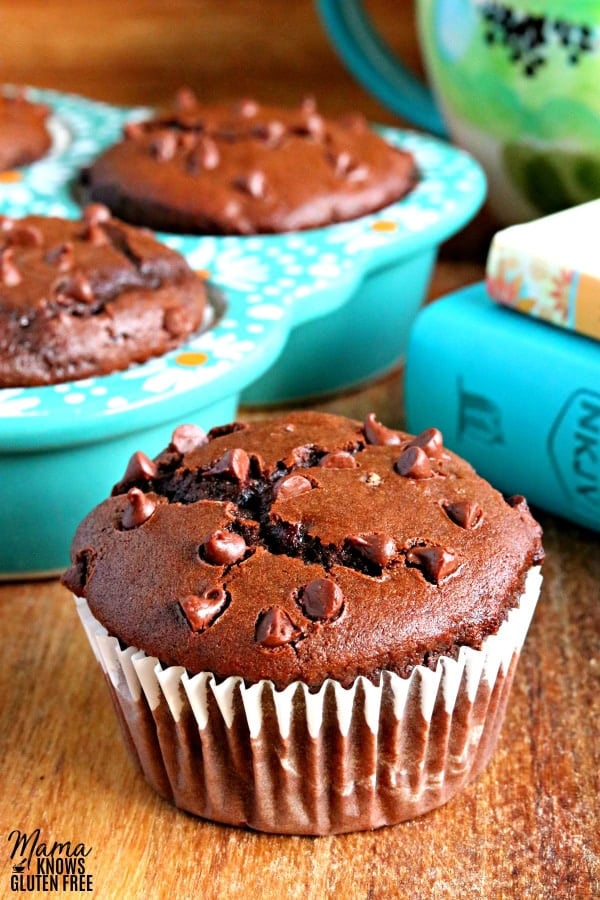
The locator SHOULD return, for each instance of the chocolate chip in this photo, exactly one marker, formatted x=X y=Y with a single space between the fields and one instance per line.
x=357 y=174
x=77 y=575
x=269 y=132
x=253 y=184
x=518 y=501
x=208 y=153
x=75 y=287
x=314 y=126
x=95 y=235
x=308 y=105
x=140 y=468
x=62 y=257
x=292 y=486
x=186 y=438
x=164 y=146
x=373 y=479
x=274 y=628
x=224 y=548
x=431 y=441
x=25 y=236
x=246 y=108
x=139 y=508
x=232 y=210
x=435 y=563
x=9 y=273
x=376 y=547
x=203 y=609
x=96 y=214
x=302 y=453
x=413 y=463
x=321 y=600
x=378 y=434
x=341 y=162
x=234 y=463
x=464 y=513
x=134 y=131
x=185 y=100
x=340 y=459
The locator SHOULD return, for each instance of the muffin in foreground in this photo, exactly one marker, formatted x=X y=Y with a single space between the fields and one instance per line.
x=246 y=168
x=84 y=298
x=309 y=625
x=24 y=137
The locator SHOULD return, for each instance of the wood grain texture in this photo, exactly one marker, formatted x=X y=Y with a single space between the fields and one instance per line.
x=141 y=51
x=529 y=827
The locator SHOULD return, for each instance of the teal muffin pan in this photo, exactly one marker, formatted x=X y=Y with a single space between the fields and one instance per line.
x=377 y=266
x=302 y=314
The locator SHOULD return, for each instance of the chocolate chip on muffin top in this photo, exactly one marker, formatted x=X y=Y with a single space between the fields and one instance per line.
x=81 y=298
x=246 y=168
x=302 y=548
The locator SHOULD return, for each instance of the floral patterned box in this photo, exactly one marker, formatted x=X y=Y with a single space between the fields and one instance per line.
x=550 y=268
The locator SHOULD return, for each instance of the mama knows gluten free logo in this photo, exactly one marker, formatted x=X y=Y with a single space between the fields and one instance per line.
x=38 y=865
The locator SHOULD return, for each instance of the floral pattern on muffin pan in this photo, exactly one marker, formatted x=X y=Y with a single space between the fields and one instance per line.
x=270 y=282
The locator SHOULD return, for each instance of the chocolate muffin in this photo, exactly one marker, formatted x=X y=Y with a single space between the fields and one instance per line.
x=23 y=133
x=83 y=298
x=245 y=168
x=332 y=611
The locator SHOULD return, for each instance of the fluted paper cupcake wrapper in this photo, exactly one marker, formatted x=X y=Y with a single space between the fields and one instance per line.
x=301 y=762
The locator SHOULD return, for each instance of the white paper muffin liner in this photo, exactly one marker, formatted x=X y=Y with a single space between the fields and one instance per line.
x=297 y=762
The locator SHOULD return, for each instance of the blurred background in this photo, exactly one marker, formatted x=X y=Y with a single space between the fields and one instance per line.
x=140 y=51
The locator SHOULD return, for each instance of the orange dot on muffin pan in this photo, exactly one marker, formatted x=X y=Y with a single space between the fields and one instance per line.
x=384 y=225
x=10 y=177
x=203 y=273
x=191 y=359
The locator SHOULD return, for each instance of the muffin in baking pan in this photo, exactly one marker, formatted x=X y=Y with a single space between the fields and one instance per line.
x=247 y=168
x=365 y=276
x=88 y=297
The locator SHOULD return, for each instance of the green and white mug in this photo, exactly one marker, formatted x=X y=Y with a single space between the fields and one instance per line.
x=516 y=83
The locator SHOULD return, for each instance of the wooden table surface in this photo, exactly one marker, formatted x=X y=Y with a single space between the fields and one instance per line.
x=529 y=827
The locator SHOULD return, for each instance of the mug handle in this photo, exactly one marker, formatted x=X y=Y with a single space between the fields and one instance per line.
x=369 y=58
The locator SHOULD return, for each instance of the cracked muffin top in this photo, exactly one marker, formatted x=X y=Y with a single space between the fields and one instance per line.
x=23 y=133
x=83 y=298
x=246 y=168
x=303 y=547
